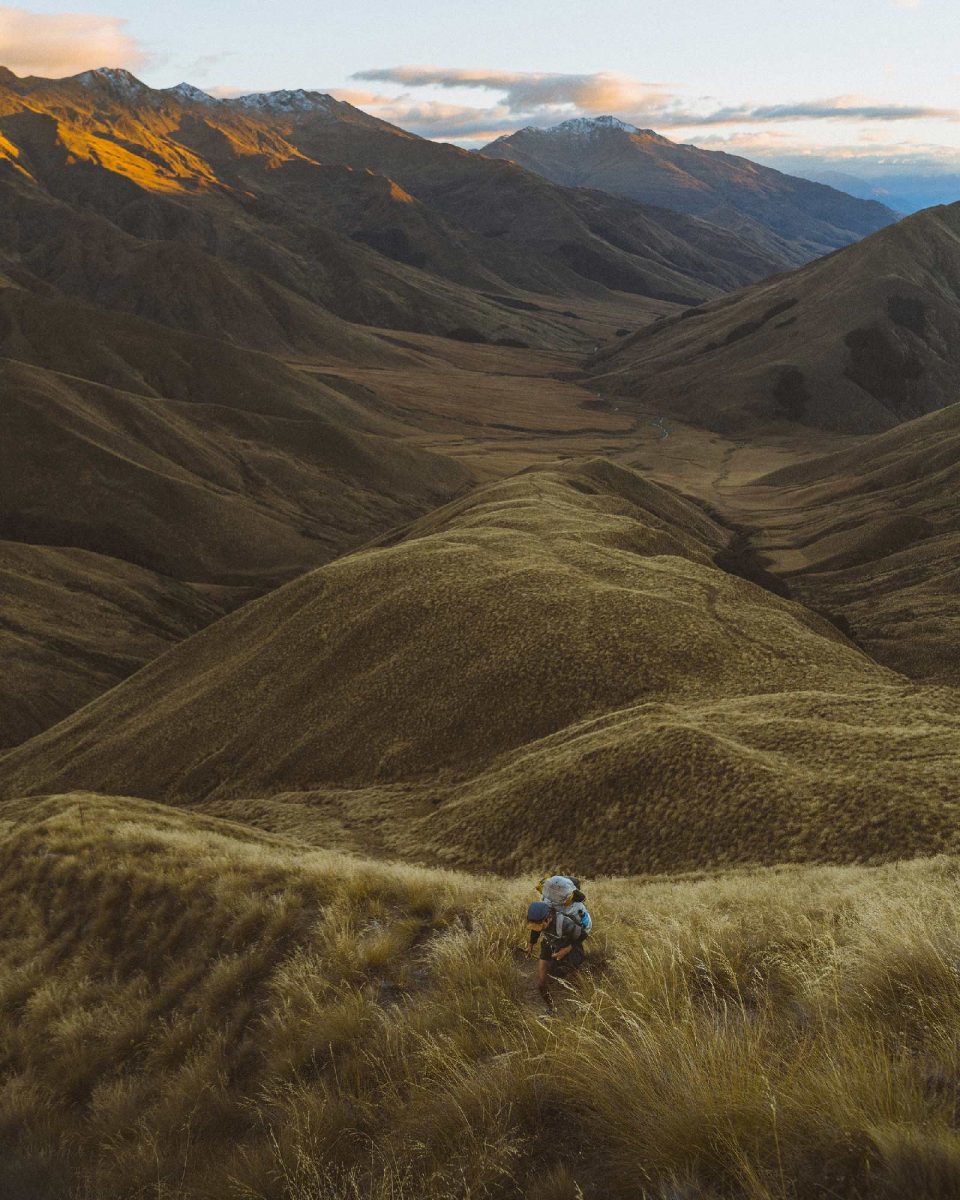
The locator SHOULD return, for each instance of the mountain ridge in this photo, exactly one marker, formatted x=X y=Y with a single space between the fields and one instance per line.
x=806 y=219
x=858 y=341
x=583 y=650
x=352 y=214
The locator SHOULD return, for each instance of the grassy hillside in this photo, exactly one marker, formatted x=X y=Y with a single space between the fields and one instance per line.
x=855 y=342
x=203 y=489
x=872 y=533
x=190 y=1011
x=75 y=624
x=555 y=656
x=142 y=470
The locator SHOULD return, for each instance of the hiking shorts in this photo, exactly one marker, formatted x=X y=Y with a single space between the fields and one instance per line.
x=570 y=963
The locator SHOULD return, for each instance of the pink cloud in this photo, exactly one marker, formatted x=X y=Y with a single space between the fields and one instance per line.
x=62 y=44
x=543 y=99
x=524 y=90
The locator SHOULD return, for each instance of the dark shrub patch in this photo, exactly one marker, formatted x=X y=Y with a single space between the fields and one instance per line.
x=790 y=393
x=512 y=302
x=782 y=307
x=881 y=367
x=908 y=312
x=464 y=333
x=741 y=331
x=392 y=243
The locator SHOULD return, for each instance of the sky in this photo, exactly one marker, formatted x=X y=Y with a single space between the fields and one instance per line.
x=869 y=87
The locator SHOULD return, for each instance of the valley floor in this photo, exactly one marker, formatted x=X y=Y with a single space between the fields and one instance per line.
x=243 y=992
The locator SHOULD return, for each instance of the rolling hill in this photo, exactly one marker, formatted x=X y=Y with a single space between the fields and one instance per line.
x=75 y=623
x=872 y=533
x=558 y=641
x=135 y=510
x=791 y=217
x=856 y=342
x=267 y=469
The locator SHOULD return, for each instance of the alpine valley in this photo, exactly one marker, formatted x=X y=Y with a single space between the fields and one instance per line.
x=385 y=524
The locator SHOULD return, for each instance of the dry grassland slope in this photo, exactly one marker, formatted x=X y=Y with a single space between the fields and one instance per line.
x=559 y=642
x=74 y=624
x=136 y=462
x=189 y=1009
x=267 y=471
x=874 y=533
x=857 y=341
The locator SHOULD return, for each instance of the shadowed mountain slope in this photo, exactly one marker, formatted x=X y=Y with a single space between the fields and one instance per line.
x=787 y=216
x=558 y=641
x=74 y=624
x=245 y=476
x=192 y=463
x=857 y=342
x=516 y=211
x=873 y=533
x=114 y=192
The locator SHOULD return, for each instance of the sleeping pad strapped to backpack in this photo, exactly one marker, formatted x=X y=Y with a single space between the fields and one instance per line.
x=562 y=893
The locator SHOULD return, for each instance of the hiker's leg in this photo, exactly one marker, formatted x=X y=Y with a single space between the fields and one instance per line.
x=542 y=968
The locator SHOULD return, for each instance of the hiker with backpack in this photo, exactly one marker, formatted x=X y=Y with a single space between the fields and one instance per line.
x=559 y=921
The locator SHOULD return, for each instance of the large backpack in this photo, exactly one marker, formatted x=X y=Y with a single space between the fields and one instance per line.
x=562 y=893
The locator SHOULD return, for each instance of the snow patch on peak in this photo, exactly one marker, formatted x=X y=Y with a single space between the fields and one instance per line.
x=590 y=126
x=118 y=80
x=190 y=94
x=287 y=101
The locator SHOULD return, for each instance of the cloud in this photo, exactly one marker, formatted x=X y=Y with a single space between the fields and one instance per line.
x=200 y=67
x=541 y=100
x=433 y=119
x=867 y=148
x=525 y=90
x=838 y=109
x=65 y=43
x=866 y=158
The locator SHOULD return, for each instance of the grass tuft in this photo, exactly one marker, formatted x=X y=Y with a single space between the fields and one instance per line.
x=189 y=1012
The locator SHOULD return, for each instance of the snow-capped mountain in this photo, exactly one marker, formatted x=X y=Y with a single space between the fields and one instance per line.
x=792 y=217
x=285 y=101
x=585 y=127
x=115 y=79
x=189 y=94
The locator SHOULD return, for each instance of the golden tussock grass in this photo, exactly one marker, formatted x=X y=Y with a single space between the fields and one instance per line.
x=189 y=1009
x=560 y=641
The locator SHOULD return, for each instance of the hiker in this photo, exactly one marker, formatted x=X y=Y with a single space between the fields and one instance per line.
x=560 y=922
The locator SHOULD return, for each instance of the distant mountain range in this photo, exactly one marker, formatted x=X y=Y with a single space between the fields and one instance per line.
x=906 y=190
x=292 y=213
x=792 y=217
x=182 y=278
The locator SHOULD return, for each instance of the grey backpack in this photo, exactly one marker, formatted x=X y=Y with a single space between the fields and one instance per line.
x=562 y=893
